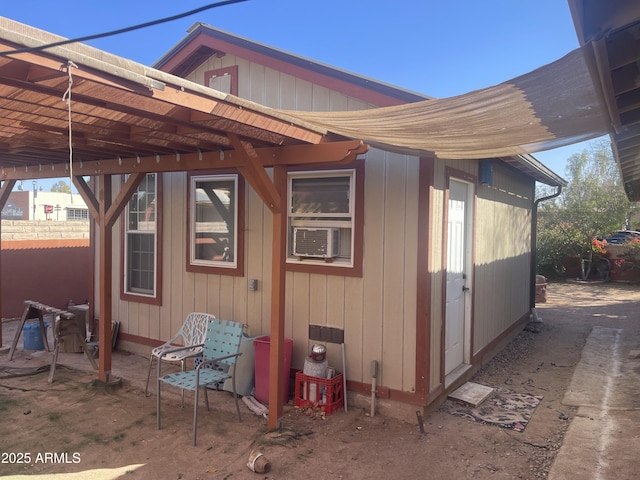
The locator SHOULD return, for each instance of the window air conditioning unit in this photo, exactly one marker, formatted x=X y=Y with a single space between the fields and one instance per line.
x=316 y=242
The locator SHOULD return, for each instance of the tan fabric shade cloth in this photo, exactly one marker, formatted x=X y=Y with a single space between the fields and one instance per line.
x=553 y=106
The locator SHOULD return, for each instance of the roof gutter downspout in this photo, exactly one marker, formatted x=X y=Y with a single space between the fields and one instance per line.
x=534 y=239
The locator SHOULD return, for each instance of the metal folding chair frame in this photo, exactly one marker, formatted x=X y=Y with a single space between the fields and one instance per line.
x=218 y=341
x=190 y=330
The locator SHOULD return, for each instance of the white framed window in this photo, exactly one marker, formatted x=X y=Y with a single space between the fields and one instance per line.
x=76 y=213
x=215 y=223
x=321 y=217
x=141 y=232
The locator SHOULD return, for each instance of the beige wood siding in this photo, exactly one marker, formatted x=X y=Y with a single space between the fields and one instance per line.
x=503 y=243
x=377 y=311
x=502 y=255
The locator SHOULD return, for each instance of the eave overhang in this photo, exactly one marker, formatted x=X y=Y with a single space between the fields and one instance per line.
x=609 y=34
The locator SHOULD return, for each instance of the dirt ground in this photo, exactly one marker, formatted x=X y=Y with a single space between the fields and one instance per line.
x=71 y=426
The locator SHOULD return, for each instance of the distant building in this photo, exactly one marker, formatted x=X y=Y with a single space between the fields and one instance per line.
x=38 y=205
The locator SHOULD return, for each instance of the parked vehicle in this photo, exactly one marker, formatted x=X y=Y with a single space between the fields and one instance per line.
x=622 y=236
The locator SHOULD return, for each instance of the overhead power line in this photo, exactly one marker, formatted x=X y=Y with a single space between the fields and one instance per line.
x=122 y=30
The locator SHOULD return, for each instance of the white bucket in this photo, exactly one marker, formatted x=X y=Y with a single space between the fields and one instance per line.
x=315 y=369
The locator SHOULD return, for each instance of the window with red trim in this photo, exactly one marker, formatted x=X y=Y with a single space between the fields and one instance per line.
x=141 y=244
x=216 y=212
x=325 y=221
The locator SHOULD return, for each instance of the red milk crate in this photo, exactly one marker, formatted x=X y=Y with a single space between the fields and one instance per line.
x=326 y=393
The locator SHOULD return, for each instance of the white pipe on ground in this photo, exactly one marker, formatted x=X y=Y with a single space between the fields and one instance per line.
x=344 y=377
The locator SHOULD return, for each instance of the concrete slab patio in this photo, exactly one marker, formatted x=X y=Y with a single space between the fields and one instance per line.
x=603 y=439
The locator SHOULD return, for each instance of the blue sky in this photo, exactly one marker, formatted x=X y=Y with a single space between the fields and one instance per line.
x=439 y=48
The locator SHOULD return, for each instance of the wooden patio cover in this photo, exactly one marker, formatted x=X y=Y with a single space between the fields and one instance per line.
x=128 y=119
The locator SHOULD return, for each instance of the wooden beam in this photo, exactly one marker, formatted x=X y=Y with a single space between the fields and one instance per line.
x=44 y=63
x=89 y=198
x=5 y=191
x=114 y=210
x=104 y=274
x=125 y=95
x=601 y=58
x=129 y=188
x=255 y=174
x=344 y=151
x=333 y=152
x=277 y=378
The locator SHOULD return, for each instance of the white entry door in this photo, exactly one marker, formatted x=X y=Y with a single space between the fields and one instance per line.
x=458 y=234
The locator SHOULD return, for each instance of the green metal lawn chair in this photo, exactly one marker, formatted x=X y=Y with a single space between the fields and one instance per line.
x=220 y=351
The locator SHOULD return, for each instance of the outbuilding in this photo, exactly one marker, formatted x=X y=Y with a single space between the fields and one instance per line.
x=382 y=219
x=423 y=263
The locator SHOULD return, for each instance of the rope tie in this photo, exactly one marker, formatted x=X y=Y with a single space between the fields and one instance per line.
x=67 y=98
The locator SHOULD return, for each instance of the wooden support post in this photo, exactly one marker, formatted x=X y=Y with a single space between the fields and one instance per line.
x=105 y=212
x=278 y=379
x=105 y=273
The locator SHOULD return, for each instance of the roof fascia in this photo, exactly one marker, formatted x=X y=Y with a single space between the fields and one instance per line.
x=542 y=174
x=366 y=89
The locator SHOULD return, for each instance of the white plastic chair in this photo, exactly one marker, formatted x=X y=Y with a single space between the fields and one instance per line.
x=192 y=334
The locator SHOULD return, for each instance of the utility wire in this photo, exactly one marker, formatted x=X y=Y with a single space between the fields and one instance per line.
x=122 y=30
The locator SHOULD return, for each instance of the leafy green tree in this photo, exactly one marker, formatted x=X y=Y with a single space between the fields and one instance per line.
x=592 y=205
x=61 y=186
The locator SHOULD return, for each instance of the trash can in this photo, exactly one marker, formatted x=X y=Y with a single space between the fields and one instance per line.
x=541 y=289
x=243 y=369
x=33 y=336
x=262 y=348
